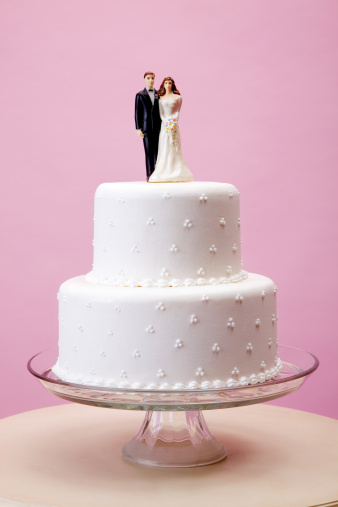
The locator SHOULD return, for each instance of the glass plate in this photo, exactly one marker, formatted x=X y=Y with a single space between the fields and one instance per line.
x=174 y=432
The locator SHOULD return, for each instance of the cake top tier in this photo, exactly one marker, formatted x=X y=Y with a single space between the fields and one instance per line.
x=166 y=234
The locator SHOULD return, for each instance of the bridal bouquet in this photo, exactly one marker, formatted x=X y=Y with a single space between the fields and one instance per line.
x=171 y=129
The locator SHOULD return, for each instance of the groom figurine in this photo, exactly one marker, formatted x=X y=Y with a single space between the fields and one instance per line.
x=148 y=121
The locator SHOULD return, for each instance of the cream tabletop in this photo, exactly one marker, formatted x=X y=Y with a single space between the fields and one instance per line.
x=70 y=456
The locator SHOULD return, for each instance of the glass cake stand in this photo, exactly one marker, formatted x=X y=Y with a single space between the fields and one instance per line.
x=174 y=432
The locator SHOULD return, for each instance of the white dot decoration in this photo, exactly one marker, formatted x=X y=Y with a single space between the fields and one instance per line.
x=229 y=270
x=166 y=195
x=274 y=317
x=92 y=371
x=203 y=198
x=270 y=342
x=102 y=353
x=239 y=298
x=249 y=347
x=239 y=222
x=75 y=348
x=263 y=365
x=123 y=374
x=174 y=248
x=136 y=354
x=160 y=373
x=135 y=249
x=213 y=249
x=222 y=222
x=205 y=298
x=178 y=344
x=111 y=224
x=80 y=328
x=194 y=319
x=150 y=221
x=231 y=194
x=117 y=309
x=231 y=323
x=150 y=330
x=234 y=248
x=275 y=289
x=258 y=321
x=89 y=304
x=199 y=372
x=216 y=348
x=263 y=294
x=187 y=224
x=235 y=372
x=121 y=200
x=160 y=307
x=200 y=272
x=165 y=273
x=110 y=332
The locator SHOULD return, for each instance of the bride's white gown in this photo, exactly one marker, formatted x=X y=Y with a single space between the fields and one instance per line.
x=170 y=164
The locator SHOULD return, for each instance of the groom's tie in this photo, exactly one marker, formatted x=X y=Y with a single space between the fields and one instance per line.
x=151 y=95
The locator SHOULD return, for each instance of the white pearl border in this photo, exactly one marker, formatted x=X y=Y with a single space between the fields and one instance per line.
x=187 y=282
x=216 y=384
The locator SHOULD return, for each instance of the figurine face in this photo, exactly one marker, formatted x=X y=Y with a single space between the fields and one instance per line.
x=168 y=85
x=149 y=80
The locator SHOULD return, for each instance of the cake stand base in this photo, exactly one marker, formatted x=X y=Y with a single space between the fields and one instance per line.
x=174 y=439
x=174 y=433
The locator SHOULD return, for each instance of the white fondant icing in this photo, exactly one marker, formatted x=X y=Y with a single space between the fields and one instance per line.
x=144 y=291
x=183 y=219
x=143 y=354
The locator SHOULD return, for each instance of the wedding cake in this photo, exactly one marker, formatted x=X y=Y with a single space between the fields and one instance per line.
x=167 y=304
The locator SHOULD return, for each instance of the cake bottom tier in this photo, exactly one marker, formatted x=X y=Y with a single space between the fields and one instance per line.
x=168 y=338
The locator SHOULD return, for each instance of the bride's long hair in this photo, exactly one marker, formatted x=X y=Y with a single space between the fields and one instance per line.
x=162 y=90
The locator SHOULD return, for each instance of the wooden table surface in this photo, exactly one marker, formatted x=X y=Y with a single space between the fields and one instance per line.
x=70 y=456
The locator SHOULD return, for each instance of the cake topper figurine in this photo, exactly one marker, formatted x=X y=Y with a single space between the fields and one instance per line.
x=148 y=121
x=162 y=139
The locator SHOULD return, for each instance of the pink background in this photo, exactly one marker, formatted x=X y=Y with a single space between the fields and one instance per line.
x=259 y=86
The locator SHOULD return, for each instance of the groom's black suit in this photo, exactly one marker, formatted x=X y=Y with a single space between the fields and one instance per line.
x=147 y=118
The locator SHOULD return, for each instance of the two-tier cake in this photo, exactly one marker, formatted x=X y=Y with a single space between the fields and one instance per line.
x=167 y=304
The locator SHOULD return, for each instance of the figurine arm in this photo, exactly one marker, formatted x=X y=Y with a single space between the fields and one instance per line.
x=160 y=109
x=179 y=104
x=138 y=116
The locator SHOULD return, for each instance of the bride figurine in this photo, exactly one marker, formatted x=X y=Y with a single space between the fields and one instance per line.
x=170 y=164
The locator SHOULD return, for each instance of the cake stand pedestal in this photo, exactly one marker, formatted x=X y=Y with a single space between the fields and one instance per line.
x=174 y=432
x=174 y=439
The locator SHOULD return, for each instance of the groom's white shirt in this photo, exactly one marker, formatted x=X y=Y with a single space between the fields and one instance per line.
x=151 y=94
